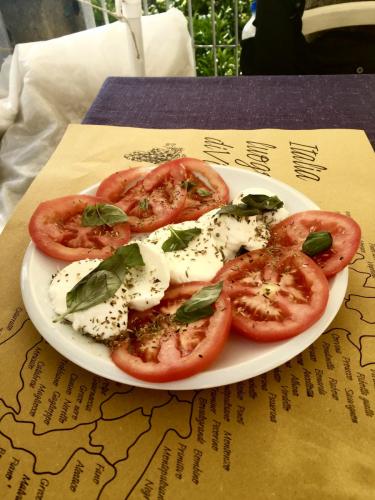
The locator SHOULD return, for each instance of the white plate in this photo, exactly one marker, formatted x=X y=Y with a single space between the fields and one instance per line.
x=241 y=358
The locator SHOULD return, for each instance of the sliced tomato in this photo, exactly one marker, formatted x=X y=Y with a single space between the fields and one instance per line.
x=345 y=232
x=55 y=228
x=206 y=188
x=114 y=187
x=154 y=200
x=160 y=349
x=276 y=293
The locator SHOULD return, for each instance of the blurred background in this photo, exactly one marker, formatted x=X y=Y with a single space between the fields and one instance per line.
x=215 y=26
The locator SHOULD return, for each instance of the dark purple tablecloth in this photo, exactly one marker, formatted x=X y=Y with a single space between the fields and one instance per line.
x=287 y=102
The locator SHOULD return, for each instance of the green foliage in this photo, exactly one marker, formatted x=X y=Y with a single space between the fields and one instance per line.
x=226 y=57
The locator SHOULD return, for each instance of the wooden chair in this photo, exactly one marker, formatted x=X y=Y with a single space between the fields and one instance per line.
x=341 y=37
x=338 y=16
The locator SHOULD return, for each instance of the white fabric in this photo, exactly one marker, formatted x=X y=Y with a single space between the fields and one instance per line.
x=46 y=85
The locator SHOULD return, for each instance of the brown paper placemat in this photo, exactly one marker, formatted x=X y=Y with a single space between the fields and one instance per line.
x=303 y=430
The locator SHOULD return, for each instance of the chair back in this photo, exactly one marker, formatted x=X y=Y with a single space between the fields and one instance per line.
x=338 y=16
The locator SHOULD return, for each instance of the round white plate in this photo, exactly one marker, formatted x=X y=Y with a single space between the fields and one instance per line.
x=241 y=358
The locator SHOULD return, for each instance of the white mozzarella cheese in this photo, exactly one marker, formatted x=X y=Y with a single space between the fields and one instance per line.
x=220 y=239
x=103 y=321
x=235 y=232
x=146 y=285
x=143 y=288
x=199 y=261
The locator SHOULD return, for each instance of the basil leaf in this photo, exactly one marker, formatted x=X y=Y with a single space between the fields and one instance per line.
x=103 y=214
x=200 y=305
x=182 y=316
x=188 y=185
x=130 y=255
x=103 y=281
x=252 y=204
x=317 y=242
x=95 y=289
x=180 y=239
x=143 y=204
x=203 y=192
x=262 y=202
x=240 y=210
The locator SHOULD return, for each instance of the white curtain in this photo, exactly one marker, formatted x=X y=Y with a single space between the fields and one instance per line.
x=46 y=85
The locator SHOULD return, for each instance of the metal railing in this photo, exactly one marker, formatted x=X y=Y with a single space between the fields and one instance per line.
x=214 y=45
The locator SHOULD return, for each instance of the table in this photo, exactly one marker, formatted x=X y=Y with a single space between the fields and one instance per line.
x=301 y=430
x=292 y=102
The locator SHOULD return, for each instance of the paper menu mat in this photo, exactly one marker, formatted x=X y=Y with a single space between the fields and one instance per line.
x=302 y=430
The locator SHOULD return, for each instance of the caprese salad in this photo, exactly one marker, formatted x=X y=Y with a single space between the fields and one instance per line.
x=164 y=266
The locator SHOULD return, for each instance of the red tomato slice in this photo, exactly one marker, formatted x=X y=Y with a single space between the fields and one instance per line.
x=207 y=189
x=114 y=187
x=276 y=293
x=55 y=228
x=154 y=200
x=346 y=235
x=161 y=350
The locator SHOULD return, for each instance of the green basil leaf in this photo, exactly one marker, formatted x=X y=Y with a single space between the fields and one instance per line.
x=182 y=316
x=262 y=202
x=130 y=255
x=179 y=240
x=103 y=281
x=200 y=305
x=188 y=185
x=95 y=289
x=203 y=192
x=143 y=204
x=317 y=242
x=252 y=204
x=103 y=214
x=240 y=210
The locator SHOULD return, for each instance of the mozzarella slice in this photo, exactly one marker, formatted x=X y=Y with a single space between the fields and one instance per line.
x=199 y=261
x=103 y=321
x=235 y=232
x=220 y=239
x=145 y=286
